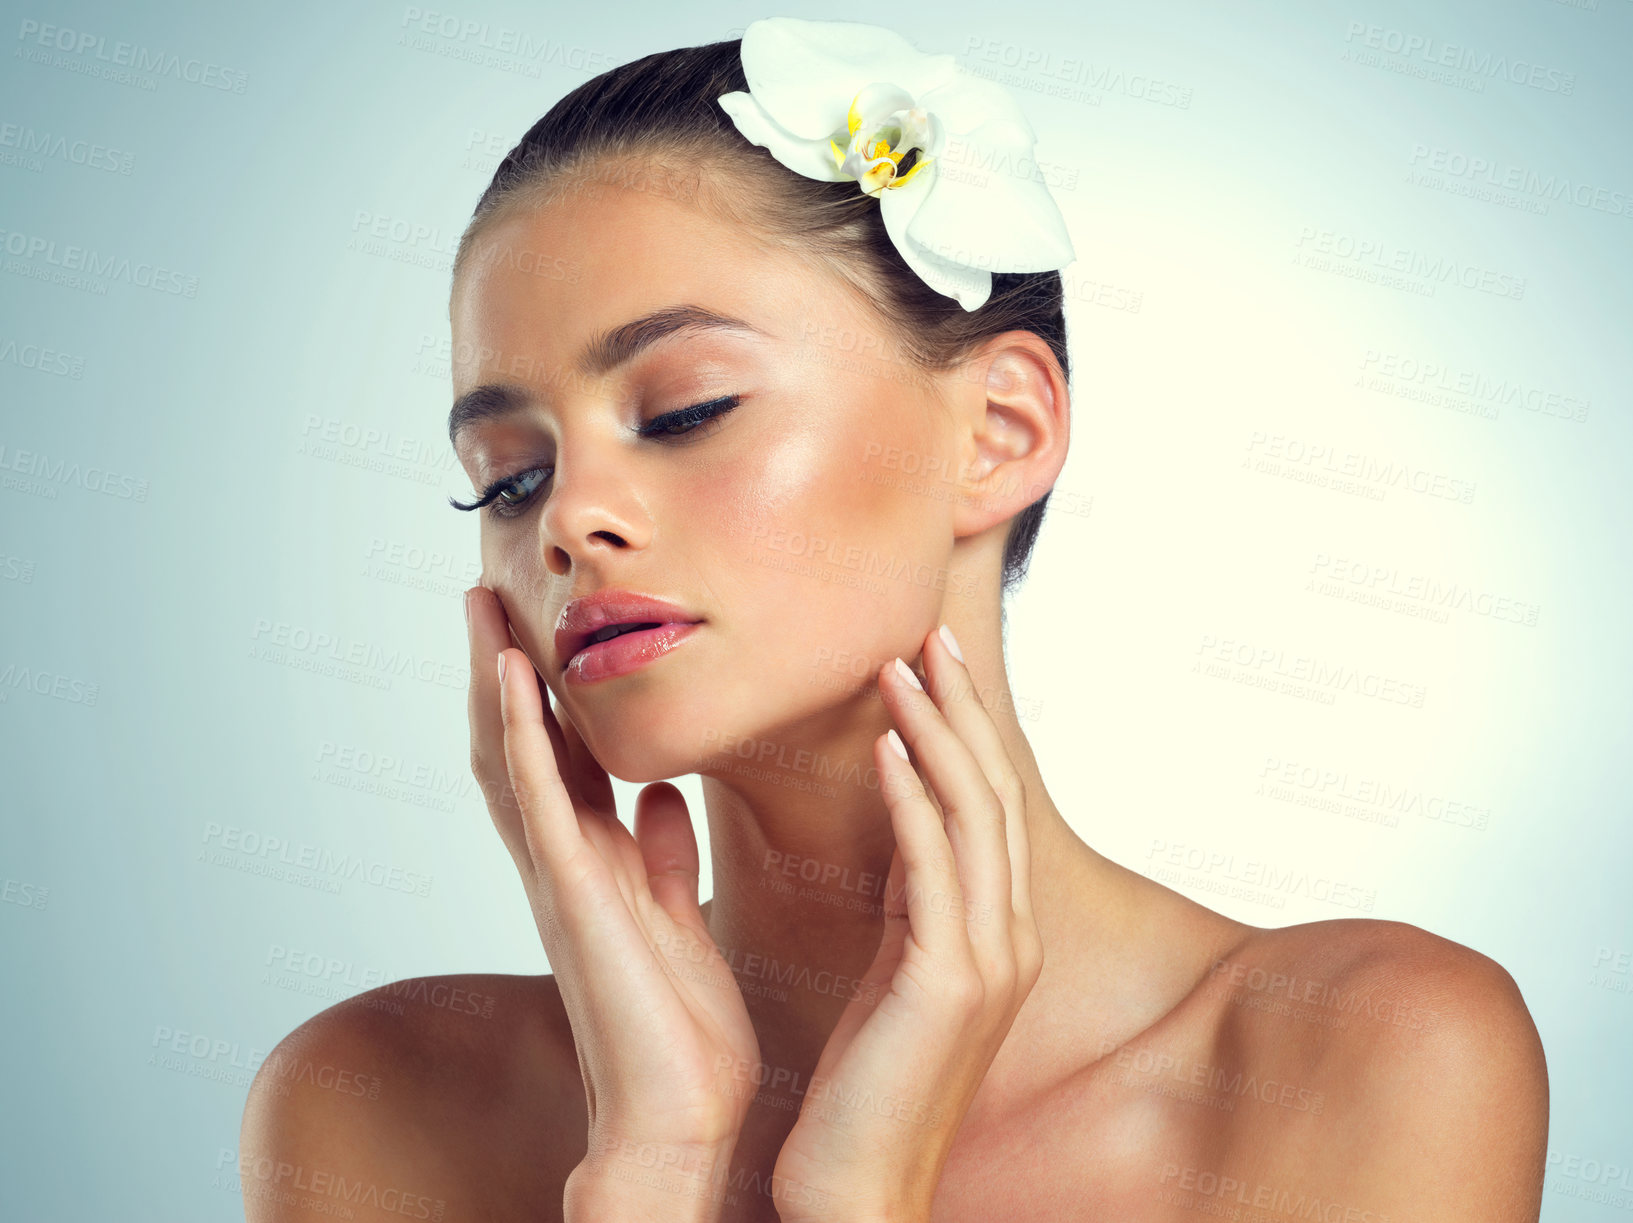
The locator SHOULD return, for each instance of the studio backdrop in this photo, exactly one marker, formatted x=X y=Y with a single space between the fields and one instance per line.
x=1327 y=619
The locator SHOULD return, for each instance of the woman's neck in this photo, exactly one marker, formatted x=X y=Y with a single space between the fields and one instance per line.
x=801 y=854
x=801 y=842
x=801 y=845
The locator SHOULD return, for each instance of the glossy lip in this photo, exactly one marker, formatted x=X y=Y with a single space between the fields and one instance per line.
x=582 y=618
x=625 y=653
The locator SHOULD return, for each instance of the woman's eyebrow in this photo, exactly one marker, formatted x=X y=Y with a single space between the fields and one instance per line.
x=604 y=353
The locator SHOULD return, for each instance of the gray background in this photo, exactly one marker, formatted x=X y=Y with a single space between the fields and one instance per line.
x=224 y=468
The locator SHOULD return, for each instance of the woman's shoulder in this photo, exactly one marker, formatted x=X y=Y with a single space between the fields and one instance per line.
x=1420 y=1053
x=1391 y=973
x=412 y=1096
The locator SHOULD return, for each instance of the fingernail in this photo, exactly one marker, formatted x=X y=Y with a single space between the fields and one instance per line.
x=501 y=669
x=896 y=744
x=951 y=642
x=467 y=609
x=907 y=674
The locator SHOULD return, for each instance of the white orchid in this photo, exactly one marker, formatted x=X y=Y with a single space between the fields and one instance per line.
x=838 y=100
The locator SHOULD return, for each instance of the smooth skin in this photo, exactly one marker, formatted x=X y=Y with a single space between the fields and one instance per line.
x=916 y=992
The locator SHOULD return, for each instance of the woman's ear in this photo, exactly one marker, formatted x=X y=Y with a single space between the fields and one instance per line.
x=1014 y=397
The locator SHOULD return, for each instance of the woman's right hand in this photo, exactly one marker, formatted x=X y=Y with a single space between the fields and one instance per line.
x=663 y=1036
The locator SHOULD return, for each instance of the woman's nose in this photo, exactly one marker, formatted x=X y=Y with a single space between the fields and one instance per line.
x=592 y=509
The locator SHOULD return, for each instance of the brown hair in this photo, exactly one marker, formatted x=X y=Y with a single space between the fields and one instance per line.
x=665 y=104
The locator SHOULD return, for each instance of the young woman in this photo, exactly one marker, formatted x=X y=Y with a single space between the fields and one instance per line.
x=760 y=454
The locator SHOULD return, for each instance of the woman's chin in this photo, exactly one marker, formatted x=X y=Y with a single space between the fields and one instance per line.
x=641 y=766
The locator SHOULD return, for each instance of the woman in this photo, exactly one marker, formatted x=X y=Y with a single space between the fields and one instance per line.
x=758 y=462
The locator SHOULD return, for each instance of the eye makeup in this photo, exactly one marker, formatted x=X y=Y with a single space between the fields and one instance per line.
x=668 y=428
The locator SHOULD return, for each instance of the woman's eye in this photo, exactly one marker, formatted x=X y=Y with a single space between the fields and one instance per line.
x=686 y=420
x=510 y=495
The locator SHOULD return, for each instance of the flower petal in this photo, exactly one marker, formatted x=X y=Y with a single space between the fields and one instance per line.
x=965 y=102
x=812 y=158
x=918 y=128
x=987 y=205
x=898 y=207
x=805 y=73
x=878 y=100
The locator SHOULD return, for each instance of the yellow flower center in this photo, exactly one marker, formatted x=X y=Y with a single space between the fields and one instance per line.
x=879 y=143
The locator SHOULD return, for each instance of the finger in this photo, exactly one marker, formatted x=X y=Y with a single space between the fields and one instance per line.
x=594 y=802
x=590 y=780
x=663 y=829
x=488 y=631
x=934 y=899
x=953 y=687
x=973 y=815
x=549 y=822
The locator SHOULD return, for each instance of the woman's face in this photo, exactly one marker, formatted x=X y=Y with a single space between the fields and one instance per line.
x=798 y=527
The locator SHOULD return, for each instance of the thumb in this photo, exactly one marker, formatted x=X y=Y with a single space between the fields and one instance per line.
x=663 y=830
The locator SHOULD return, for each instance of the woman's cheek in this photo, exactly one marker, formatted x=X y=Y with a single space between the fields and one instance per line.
x=511 y=568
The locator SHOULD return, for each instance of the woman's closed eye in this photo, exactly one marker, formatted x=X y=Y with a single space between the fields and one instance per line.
x=509 y=496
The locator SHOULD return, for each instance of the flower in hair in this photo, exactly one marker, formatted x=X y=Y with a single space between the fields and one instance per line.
x=839 y=100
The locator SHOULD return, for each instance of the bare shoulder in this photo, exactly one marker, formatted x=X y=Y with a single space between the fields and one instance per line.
x=1429 y=1063
x=429 y=1098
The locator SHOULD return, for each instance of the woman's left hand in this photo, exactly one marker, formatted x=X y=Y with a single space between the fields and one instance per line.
x=959 y=955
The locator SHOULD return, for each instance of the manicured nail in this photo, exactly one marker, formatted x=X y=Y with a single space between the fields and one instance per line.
x=468 y=608
x=907 y=674
x=896 y=744
x=951 y=642
x=501 y=669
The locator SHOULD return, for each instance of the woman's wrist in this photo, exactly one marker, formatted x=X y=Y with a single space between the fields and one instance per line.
x=624 y=1181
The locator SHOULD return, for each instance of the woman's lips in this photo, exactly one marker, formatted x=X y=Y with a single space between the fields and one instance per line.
x=625 y=653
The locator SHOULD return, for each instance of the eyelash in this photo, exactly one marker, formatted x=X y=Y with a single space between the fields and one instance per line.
x=658 y=427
